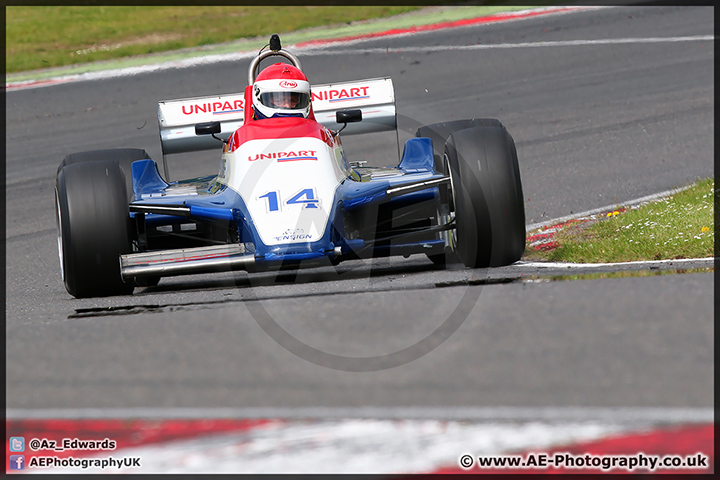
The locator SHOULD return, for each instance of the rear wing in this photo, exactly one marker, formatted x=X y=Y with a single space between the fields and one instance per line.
x=177 y=118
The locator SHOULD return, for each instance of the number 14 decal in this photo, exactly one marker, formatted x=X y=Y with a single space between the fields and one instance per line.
x=305 y=197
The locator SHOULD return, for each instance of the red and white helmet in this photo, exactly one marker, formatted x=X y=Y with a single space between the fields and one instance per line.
x=281 y=90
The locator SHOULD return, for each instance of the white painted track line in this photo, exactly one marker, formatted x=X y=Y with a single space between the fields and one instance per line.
x=565 y=43
x=322 y=51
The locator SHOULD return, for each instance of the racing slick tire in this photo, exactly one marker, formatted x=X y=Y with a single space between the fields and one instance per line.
x=123 y=156
x=91 y=207
x=439 y=133
x=487 y=196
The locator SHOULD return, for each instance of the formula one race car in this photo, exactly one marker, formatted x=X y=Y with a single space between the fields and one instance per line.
x=286 y=195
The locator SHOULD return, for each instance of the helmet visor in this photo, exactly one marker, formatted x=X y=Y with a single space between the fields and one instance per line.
x=285 y=100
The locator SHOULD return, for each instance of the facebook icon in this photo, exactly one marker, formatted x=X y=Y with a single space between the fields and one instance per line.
x=17 y=462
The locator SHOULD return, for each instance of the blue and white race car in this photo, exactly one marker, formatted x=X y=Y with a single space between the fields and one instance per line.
x=286 y=196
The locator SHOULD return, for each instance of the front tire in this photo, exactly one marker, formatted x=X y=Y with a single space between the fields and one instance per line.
x=487 y=196
x=123 y=156
x=439 y=133
x=93 y=228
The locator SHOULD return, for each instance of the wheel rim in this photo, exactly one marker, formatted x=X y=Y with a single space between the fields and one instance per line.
x=58 y=221
x=450 y=235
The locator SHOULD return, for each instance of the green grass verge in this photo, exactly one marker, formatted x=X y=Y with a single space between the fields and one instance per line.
x=681 y=226
x=41 y=37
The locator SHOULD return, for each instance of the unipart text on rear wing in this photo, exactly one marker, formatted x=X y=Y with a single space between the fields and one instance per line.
x=177 y=118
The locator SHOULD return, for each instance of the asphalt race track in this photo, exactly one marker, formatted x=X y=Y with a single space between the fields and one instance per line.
x=594 y=123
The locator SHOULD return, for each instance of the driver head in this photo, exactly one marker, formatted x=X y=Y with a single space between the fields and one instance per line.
x=281 y=90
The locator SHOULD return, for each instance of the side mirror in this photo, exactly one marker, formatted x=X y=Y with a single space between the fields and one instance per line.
x=207 y=128
x=348 y=116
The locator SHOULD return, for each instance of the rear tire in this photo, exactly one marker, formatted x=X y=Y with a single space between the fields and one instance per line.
x=91 y=205
x=487 y=196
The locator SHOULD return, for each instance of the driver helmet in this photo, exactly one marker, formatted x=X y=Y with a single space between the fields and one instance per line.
x=281 y=90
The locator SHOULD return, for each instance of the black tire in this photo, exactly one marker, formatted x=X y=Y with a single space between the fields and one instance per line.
x=123 y=156
x=91 y=206
x=439 y=133
x=487 y=197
